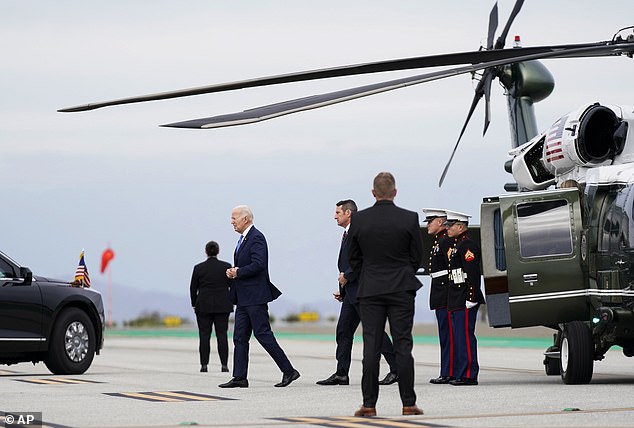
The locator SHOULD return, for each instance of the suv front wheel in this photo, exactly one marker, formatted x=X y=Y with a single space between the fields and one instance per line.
x=72 y=343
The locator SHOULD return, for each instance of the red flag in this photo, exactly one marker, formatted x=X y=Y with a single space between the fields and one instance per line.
x=107 y=255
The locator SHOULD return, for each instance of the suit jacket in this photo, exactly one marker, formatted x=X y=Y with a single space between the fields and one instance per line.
x=209 y=289
x=349 y=291
x=252 y=285
x=385 y=249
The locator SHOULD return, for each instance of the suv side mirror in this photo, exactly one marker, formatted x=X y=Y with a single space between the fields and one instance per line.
x=26 y=273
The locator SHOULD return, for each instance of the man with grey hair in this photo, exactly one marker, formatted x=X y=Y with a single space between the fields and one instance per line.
x=385 y=252
x=251 y=291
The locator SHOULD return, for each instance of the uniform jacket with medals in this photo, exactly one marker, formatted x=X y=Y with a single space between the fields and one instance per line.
x=438 y=272
x=464 y=271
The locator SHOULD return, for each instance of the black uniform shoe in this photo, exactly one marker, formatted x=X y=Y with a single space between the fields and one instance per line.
x=465 y=381
x=224 y=368
x=288 y=378
x=203 y=369
x=440 y=380
x=335 y=380
x=235 y=383
x=389 y=379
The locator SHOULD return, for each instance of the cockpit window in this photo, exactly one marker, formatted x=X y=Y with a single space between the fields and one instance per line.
x=617 y=225
x=544 y=229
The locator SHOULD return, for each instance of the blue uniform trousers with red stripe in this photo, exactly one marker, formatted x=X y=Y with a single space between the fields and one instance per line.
x=445 y=336
x=463 y=322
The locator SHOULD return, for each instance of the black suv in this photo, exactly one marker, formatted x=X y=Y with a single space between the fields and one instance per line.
x=46 y=320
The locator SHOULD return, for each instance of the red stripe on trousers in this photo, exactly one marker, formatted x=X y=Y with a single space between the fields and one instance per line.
x=466 y=330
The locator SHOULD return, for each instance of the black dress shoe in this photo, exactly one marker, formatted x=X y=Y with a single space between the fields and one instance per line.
x=441 y=380
x=389 y=379
x=288 y=378
x=465 y=381
x=224 y=368
x=203 y=369
x=335 y=380
x=235 y=383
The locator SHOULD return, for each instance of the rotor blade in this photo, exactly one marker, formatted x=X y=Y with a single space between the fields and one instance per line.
x=476 y=99
x=493 y=25
x=293 y=106
x=499 y=44
x=486 y=89
x=472 y=57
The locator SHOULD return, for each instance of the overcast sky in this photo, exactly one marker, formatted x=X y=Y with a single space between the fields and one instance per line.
x=157 y=195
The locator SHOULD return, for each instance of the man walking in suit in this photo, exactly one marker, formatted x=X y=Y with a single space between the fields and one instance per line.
x=251 y=291
x=209 y=292
x=349 y=314
x=385 y=252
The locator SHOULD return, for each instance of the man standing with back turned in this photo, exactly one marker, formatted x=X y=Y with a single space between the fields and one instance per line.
x=251 y=291
x=385 y=252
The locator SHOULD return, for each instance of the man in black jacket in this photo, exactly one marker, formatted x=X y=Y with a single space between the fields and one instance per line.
x=349 y=318
x=385 y=252
x=209 y=292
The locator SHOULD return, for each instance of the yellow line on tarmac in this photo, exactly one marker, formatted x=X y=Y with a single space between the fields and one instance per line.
x=147 y=396
x=190 y=397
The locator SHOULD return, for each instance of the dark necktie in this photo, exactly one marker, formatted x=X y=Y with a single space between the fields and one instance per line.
x=239 y=243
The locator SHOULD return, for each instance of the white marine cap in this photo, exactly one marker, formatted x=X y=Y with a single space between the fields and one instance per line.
x=453 y=216
x=432 y=213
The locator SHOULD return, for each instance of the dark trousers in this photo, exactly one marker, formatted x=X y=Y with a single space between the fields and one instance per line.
x=445 y=336
x=398 y=309
x=220 y=322
x=463 y=322
x=255 y=319
x=347 y=324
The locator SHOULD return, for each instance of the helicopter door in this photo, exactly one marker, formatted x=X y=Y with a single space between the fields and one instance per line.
x=542 y=244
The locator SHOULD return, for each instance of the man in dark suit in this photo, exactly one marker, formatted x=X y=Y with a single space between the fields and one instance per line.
x=209 y=292
x=385 y=252
x=349 y=314
x=251 y=291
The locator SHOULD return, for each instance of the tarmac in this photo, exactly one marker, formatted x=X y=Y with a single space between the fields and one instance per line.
x=151 y=378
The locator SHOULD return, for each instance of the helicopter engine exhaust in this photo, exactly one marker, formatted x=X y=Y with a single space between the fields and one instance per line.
x=593 y=135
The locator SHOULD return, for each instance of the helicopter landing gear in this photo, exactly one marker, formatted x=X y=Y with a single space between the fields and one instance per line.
x=576 y=353
x=551 y=361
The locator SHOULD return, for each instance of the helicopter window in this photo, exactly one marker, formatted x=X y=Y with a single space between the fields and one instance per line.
x=544 y=229
x=498 y=230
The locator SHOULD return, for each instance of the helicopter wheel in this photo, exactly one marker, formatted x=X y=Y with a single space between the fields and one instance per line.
x=576 y=354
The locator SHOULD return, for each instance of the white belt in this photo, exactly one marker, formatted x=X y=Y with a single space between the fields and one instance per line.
x=439 y=274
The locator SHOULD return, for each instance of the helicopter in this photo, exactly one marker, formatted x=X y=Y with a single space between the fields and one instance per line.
x=574 y=279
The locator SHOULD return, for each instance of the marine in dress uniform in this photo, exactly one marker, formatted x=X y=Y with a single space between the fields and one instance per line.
x=439 y=274
x=464 y=297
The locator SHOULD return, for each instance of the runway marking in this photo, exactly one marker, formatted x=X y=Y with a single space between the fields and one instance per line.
x=167 y=396
x=357 y=422
x=57 y=381
x=7 y=372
